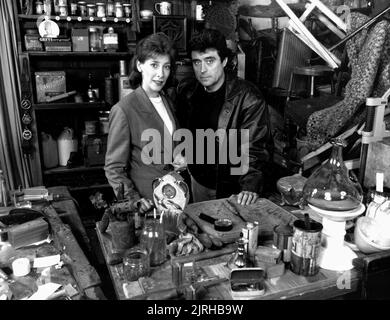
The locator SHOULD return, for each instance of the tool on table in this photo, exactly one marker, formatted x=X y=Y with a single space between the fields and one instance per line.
x=67 y=291
x=219 y=224
x=234 y=210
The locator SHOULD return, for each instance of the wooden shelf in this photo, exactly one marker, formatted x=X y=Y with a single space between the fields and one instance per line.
x=71 y=170
x=83 y=105
x=76 y=19
x=78 y=54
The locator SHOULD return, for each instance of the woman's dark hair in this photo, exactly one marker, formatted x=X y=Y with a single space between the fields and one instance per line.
x=210 y=39
x=149 y=47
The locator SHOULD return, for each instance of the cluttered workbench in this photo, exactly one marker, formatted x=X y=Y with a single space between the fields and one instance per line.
x=211 y=266
x=55 y=268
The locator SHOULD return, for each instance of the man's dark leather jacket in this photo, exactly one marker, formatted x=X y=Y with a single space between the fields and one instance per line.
x=244 y=108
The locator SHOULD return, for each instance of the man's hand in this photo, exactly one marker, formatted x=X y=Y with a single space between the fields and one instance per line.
x=144 y=205
x=247 y=197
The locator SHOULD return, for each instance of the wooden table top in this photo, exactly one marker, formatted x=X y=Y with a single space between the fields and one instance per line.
x=326 y=284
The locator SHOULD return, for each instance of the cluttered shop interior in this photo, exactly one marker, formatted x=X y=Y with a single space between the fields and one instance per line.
x=194 y=150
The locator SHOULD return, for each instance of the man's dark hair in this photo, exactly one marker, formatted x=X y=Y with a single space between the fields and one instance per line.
x=209 y=39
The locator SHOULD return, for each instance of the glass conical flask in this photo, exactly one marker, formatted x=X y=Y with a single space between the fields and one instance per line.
x=332 y=187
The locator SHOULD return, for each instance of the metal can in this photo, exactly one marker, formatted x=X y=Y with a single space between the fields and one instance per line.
x=283 y=240
x=250 y=233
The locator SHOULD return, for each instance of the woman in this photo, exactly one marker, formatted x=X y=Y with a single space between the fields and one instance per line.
x=145 y=108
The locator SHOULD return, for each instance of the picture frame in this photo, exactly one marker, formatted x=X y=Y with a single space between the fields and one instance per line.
x=175 y=27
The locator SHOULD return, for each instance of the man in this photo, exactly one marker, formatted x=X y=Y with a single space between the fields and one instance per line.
x=216 y=100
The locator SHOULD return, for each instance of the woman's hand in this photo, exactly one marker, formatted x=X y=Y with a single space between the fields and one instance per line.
x=179 y=163
x=144 y=205
x=247 y=197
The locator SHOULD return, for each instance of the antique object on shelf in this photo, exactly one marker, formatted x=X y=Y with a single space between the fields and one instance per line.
x=163 y=8
x=94 y=149
x=247 y=283
x=110 y=40
x=175 y=27
x=118 y=10
x=82 y=8
x=31 y=40
x=127 y=10
x=49 y=150
x=66 y=144
x=80 y=40
x=100 y=10
x=110 y=8
x=91 y=9
x=124 y=87
x=282 y=240
x=49 y=84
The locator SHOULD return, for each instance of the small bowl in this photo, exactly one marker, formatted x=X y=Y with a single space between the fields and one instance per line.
x=365 y=244
x=146 y=14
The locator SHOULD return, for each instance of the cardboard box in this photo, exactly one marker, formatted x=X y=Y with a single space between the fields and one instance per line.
x=80 y=39
x=49 y=84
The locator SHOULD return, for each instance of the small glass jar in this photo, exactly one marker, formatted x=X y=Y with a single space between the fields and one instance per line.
x=136 y=263
x=100 y=9
x=91 y=9
x=73 y=8
x=118 y=10
x=39 y=7
x=47 y=7
x=82 y=8
x=95 y=43
x=110 y=8
x=127 y=10
x=63 y=10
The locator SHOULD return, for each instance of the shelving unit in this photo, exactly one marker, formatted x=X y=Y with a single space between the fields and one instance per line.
x=51 y=118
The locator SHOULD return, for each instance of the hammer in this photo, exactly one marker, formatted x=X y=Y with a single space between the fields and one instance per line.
x=67 y=291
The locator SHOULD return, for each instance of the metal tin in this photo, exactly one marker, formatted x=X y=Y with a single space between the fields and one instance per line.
x=73 y=8
x=118 y=10
x=305 y=248
x=250 y=233
x=283 y=240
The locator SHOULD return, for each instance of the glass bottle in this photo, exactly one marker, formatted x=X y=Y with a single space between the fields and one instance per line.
x=332 y=187
x=153 y=239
